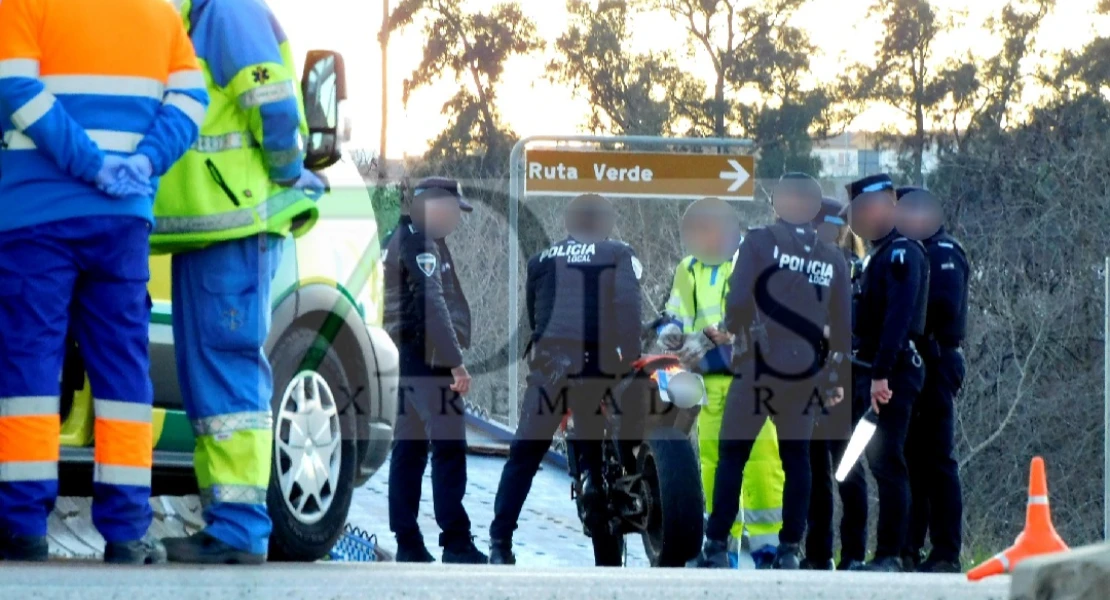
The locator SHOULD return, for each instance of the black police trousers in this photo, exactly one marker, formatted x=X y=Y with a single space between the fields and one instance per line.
x=549 y=397
x=937 y=505
x=792 y=406
x=886 y=456
x=429 y=415
x=826 y=450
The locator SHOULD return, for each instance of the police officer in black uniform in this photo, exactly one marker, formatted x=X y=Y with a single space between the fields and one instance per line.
x=428 y=318
x=890 y=326
x=785 y=288
x=937 y=506
x=583 y=305
x=830 y=439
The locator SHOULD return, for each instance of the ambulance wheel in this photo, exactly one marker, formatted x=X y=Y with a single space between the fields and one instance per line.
x=314 y=463
x=673 y=497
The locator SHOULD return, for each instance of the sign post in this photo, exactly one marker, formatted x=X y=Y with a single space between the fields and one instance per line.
x=571 y=171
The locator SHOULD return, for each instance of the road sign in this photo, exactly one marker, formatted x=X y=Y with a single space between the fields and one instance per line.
x=639 y=174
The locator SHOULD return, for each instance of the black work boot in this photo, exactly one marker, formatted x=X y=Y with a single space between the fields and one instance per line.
x=940 y=565
x=886 y=564
x=501 y=552
x=850 y=564
x=147 y=551
x=714 y=555
x=24 y=548
x=203 y=549
x=413 y=551
x=787 y=558
x=816 y=564
x=464 y=553
x=911 y=559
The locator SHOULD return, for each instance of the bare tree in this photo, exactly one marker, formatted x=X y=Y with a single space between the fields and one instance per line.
x=473 y=47
x=620 y=86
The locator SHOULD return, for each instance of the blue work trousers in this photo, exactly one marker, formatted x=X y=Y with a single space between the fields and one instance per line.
x=85 y=277
x=221 y=319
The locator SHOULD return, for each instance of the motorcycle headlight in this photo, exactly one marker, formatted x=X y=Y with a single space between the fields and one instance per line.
x=686 y=389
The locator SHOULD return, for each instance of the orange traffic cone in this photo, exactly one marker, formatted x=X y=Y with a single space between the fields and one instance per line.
x=1039 y=536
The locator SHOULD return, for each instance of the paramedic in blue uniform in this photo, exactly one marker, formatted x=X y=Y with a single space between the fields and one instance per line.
x=86 y=88
x=428 y=317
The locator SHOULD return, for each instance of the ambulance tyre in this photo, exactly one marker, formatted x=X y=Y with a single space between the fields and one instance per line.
x=309 y=513
x=672 y=486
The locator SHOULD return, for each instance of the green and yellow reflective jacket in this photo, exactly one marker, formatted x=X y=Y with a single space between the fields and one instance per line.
x=253 y=135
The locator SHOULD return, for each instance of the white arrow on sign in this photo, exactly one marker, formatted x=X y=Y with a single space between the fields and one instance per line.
x=738 y=175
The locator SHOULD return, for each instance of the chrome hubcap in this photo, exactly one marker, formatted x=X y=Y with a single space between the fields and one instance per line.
x=307 y=446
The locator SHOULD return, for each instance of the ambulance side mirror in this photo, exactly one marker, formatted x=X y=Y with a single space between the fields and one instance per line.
x=324 y=86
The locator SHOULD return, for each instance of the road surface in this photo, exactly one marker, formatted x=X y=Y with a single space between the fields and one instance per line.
x=550 y=534
x=379 y=581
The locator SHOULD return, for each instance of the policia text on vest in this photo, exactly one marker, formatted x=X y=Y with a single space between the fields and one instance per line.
x=754 y=343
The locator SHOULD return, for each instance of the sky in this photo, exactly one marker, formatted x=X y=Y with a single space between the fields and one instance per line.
x=534 y=106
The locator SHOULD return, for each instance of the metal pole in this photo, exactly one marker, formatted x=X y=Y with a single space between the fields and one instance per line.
x=516 y=194
x=385 y=88
x=1106 y=398
x=517 y=190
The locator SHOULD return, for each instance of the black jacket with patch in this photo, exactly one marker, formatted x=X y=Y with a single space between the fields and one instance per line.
x=948 y=283
x=785 y=288
x=586 y=295
x=892 y=303
x=425 y=308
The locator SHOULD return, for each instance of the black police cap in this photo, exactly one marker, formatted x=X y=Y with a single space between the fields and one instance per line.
x=440 y=185
x=829 y=212
x=911 y=189
x=871 y=183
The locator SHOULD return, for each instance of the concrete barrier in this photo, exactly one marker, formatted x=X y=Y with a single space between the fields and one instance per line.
x=1080 y=574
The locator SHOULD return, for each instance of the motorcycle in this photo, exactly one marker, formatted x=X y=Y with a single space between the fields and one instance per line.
x=659 y=494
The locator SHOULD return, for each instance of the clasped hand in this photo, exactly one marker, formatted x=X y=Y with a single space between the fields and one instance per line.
x=125 y=176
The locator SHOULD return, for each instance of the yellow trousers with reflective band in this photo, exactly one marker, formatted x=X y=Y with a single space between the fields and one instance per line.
x=761 y=495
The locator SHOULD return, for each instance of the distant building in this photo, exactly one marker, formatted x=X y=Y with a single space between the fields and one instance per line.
x=838 y=162
x=853 y=154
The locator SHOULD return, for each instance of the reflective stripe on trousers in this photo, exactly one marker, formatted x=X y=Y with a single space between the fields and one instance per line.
x=244 y=217
x=124 y=451
x=236 y=494
x=766 y=516
x=29 y=436
x=220 y=428
x=220 y=425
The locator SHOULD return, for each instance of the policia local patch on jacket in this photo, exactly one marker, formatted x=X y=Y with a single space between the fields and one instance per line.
x=427 y=263
x=574 y=252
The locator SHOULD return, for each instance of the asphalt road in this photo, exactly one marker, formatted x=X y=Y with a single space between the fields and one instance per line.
x=377 y=581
